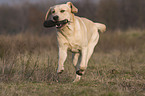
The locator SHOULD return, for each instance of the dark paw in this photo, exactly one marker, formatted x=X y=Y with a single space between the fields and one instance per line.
x=79 y=72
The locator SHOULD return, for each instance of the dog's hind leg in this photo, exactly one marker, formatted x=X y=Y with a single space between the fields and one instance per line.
x=92 y=45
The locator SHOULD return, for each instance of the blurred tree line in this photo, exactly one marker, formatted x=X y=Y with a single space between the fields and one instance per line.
x=116 y=14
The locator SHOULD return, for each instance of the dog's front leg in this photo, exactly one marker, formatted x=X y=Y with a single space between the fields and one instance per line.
x=61 y=59
x=83 y=64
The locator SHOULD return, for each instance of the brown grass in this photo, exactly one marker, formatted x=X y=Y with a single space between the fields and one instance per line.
x=28 y=65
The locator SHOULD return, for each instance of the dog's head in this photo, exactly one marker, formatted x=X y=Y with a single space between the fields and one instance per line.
x=60 y=15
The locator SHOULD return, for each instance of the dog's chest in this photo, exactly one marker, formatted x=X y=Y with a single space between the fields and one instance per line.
x=73 y=46
x=71 y=43
x=70 y=40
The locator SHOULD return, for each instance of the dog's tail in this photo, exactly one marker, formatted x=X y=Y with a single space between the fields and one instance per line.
x=101 y=27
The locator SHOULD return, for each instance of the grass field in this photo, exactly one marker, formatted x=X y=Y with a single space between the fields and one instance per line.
x=28 y=66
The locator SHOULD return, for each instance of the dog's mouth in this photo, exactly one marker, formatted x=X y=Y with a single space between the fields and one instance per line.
x=57 y=24
x=60 y=24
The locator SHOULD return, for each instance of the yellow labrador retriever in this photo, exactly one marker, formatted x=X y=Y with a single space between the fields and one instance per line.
x=77 y=34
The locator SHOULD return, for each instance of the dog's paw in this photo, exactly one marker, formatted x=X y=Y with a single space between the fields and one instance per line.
x=77 y=79
x=60 y=71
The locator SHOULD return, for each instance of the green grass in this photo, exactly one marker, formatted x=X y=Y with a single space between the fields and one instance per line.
x=117 y=67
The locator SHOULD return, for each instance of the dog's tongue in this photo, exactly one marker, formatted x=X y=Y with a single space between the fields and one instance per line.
x=58 y=25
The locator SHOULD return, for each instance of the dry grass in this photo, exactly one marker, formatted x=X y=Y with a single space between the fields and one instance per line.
x=28 y=66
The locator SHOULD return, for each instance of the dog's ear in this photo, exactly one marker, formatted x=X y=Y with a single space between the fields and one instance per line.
x=73 y=8
x=48 y=13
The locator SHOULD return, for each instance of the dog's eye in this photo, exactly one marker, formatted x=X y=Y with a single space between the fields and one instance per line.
x=53 y=11
x=62 y=11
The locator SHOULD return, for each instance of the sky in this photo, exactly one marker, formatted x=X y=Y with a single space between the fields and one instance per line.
x=12 y=2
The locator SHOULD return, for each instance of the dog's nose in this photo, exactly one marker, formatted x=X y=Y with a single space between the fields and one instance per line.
x=55 y=18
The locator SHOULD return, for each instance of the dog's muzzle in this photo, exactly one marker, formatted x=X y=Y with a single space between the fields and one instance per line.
x=58 y=24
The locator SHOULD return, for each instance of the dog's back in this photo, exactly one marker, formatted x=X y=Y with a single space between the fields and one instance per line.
x=90 y=26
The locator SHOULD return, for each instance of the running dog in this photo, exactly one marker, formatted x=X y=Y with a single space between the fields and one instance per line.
x=76 y=34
